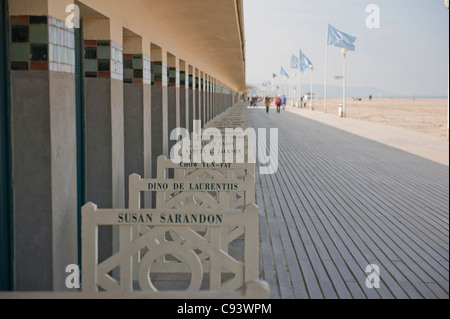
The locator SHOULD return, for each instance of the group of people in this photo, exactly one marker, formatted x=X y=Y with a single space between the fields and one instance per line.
x=279 y=102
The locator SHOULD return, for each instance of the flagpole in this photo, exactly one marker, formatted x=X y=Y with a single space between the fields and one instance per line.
x=299 y=85
x=279 y=86
x=312 y=94
x=326 y=65
x=288 y=99
x=299 y=80
x=286 y=88
x=344 y=53
x=297 y=93
x=289 y=89
x=294 y=89
x=300 y=88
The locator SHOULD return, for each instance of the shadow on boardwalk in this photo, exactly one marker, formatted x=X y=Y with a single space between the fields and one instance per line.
x=340 y=202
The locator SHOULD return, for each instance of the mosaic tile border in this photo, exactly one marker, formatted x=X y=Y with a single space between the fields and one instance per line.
x=173 y=77
x=159 y=73
x=136 y=68
x=41 y=43
x=191 y=81
x=103 y=59
x=97 y=58
x=133 y=68
x=183 y=79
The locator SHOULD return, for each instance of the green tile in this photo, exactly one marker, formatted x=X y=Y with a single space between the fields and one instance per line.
x=103 y=52
x=90 y=65
x=157 y=69
x=138 y=64
x=38 y=33
x=20 y=52
x=127 y=73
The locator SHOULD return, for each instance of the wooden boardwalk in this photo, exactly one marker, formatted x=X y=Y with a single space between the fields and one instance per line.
x=340 y=202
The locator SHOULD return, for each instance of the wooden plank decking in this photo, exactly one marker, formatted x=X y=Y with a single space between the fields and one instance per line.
x=340 y=202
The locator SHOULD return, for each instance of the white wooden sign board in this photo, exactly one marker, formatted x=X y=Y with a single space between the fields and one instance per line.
x=95 y=275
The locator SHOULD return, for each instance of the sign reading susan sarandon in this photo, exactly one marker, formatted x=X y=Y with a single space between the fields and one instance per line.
x=151 y=218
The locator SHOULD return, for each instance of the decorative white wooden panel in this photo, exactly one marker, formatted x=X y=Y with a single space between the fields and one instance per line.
x=213 y=171
x=171 y=197
x=192 y=244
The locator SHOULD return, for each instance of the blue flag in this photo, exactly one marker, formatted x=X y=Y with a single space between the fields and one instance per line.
x=340 y=39
x=294 y=62
x=304 y=62
x=283 y=72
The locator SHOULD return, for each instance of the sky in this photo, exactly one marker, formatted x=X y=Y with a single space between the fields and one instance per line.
x=407 y=55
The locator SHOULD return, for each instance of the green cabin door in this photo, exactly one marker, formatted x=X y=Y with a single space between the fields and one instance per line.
x=80 y=125
x=6 y=257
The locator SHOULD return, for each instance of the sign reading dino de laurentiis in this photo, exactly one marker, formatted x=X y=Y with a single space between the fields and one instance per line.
x=194 y=186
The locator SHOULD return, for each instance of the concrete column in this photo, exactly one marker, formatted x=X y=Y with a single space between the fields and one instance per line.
x=104 y=120
x=213 y=98
x=191 y=111
x=216 y=99
x=137 y=109
x=197 y=92
x=202 y=102
x=184 y=94
x=43 y=135
x=159 y=113
x=219 y=98
x=207 y=100
x=173 y=69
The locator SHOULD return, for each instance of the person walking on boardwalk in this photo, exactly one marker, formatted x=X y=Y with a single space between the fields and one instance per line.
x=267 y=102
x=278 y=103
x=284 y=102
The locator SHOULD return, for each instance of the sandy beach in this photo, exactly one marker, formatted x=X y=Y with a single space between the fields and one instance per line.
x=416 y=126
x=428 y=116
